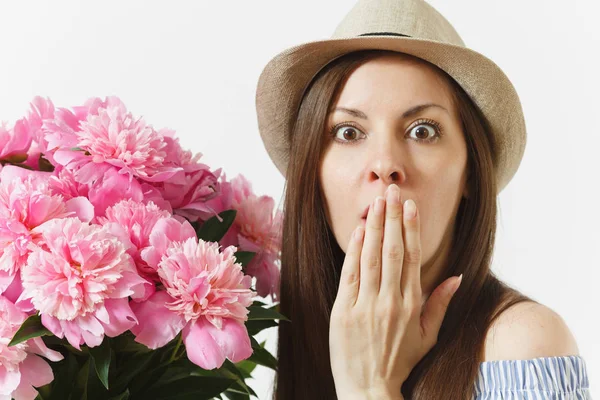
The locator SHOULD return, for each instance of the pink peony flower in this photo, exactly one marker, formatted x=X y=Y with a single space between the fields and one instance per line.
x=79 y=277
x=114 y=138
x=152 y=194
x=41 y=111
x=260 y=232
x=15 y=142
x=189 y=190
x=206 y=296
x=111 y=188
x=255 y=216
x=21 y=367
x=33 y=157
x=25 y=203
x=139 y=220
x=255 y=229
x=62 y=182
x=165 y=232
x=60 y=128
x=265 y=267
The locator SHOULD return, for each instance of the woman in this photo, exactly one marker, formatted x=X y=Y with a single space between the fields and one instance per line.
x=395 y=108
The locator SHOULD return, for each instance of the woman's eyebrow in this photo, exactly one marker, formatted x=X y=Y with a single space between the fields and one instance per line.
x=408 y=113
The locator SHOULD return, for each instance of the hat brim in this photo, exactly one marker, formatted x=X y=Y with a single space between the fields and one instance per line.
x=285 y=78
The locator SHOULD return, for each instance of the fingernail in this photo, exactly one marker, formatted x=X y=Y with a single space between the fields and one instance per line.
x=393 y=194
x=457 y=284
x=410 y=209
x=378 y=205
x=358 y=233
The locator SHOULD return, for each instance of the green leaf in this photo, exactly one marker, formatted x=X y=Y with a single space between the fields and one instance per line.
x=44 y=392
x=213 y=230
x=142 y=381
x=100 y=356
x=257 y=312
x=65 y=372
x=243 y=257
x=32 y=327
x=58 y=344
x=122 y=396
x=81 y=383
x=258 y=325
x=262 y=356
x=125 y=343
x=240 y=383
x=246 y=367
x=235 y=395
x=87 y=153
x=192 y=388
x=131 y=368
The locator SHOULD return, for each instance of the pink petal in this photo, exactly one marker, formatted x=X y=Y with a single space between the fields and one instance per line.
x=90 y=339
x=64 y=157
x=130 y=284
x=11 y=172
x=91 y=171
x=53 y=325
x=72 y=333
x=35 y=371
x=163 y=175
x=25 y=392
x=37 y=346
x=91 y=330
x=207 y=346
x=9 y=381
x=112 y=188
x=149 y=290
x=157 y=325
x=82 y=208
x=121 y=316
x=7 y=287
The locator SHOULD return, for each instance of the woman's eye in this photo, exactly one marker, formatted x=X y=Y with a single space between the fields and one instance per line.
x=423 y=132
x=347 y=133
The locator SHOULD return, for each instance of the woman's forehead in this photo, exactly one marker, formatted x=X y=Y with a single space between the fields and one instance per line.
x=395 y=81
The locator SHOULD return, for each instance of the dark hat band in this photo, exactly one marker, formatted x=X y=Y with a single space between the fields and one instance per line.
x=383 y=34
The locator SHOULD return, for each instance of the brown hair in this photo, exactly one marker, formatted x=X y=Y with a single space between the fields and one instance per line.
x=311 y=258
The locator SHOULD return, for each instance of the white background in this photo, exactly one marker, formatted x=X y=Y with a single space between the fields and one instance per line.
x=193 y=66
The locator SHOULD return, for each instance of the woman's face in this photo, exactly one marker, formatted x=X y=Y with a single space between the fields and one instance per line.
x=375 y=143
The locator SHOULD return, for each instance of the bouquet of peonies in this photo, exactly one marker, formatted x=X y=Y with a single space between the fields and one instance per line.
x=128 y=269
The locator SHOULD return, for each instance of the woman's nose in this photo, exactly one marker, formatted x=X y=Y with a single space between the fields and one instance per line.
x=387 y=172
x=387 y=168
x=386 y=161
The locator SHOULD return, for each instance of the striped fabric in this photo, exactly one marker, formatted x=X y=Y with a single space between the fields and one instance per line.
x=555 y=378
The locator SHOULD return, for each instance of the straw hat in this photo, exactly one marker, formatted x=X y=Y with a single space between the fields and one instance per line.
x=408 y=26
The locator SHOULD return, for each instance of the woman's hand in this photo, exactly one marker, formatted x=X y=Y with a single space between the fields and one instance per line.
x=378 y=332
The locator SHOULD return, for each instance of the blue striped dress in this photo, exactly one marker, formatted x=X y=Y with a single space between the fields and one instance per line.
x=553 y=378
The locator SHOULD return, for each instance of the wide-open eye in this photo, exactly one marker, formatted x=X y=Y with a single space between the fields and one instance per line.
x=425 y=131
x=346 y=133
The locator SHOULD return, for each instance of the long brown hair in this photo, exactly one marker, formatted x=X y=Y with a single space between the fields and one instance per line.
x=312 y=260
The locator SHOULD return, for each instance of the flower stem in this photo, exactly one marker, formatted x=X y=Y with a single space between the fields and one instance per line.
x=174 y=354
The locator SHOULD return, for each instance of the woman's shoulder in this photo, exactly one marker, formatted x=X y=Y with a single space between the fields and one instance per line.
x=530 y=349
x=562 y=377
x=529 y=330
